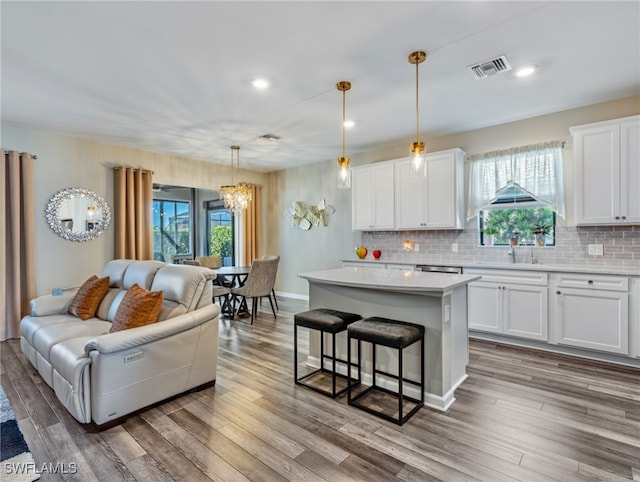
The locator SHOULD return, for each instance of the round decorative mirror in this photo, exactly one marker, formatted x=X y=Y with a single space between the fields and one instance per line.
x=77 y=214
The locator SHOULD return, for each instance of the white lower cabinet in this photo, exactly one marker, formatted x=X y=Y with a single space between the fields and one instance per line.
x=509 y=302
x=591 y=311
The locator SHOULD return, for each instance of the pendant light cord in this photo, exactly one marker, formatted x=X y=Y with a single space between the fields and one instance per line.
x=417 y=109
x=343 y=118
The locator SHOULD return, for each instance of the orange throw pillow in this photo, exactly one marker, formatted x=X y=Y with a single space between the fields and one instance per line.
x=87 y=300
x=138 y=307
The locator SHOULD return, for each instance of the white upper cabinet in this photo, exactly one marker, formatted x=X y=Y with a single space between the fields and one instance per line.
x=434 y=202
x=607 y=156
x=372 y=197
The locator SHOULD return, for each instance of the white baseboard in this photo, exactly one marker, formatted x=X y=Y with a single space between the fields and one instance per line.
x=294 y=296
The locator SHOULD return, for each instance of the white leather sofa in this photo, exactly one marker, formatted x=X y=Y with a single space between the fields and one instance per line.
x=100 y=376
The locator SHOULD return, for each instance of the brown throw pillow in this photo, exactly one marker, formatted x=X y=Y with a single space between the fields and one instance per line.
x=87 y=300
x=138 y=307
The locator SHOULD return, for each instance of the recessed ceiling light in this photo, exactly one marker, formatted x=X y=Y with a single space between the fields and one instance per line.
x=260 y=83
x=349 y=123
x=526 y=70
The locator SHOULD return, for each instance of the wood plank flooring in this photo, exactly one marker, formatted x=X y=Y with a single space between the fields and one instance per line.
x=522 y=415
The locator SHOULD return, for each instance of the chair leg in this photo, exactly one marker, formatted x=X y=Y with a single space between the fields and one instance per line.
x=273 y=292
x=254 y=308
x=272 y=308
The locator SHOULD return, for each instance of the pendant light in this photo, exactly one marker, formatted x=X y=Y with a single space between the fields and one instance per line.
x=344 y=169
x=236 y=197
x=418 y=164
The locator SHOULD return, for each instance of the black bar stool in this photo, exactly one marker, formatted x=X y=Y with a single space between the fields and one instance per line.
x=326 y=321
x=394 y=334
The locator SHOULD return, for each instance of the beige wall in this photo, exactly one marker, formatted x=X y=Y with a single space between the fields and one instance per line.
x=322 y=248
x=71 y=162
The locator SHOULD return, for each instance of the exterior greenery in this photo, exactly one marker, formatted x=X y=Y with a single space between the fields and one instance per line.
x=526 y=222
x=221 y=241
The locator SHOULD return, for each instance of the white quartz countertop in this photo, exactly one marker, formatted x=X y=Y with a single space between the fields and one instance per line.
x=497 y=265
x=389 y=279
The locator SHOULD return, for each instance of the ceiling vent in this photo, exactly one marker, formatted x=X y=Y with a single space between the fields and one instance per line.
x=490 y=67
x=269 y=137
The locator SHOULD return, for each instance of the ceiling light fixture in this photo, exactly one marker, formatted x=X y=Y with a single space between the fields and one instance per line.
x=260 y=83
x=526 y=71
x=236 y=197
x=418 y=165
x=344 y=170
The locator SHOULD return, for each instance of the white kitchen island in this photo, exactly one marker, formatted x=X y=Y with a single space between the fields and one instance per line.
x=437 y=301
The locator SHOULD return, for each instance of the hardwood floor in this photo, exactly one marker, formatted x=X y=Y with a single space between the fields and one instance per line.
x=521 y=415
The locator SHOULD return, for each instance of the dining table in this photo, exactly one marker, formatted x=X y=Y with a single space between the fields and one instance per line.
x=233 y=277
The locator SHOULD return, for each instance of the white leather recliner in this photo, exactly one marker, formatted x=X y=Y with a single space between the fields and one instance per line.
x=100 y=376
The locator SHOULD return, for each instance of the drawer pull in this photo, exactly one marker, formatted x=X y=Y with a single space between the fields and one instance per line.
x=590 y=281
x=558 y=292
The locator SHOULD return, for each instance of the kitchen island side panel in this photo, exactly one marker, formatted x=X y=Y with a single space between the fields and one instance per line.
x=446 y=342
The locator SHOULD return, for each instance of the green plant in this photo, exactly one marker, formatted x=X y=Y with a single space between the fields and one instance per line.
x=221 y=241
x=491 y=230
x=541 y=228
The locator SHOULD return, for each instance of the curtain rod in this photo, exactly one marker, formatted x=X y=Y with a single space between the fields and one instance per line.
x=115 y=168
x=517 y=150
x=33 y=156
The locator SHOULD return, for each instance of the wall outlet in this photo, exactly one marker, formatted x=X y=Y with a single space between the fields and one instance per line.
x=454 y=247
x=416 y=247
x=595 y=249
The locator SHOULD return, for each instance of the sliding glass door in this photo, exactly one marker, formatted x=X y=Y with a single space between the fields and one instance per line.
x=172 y=230
x=220 y=232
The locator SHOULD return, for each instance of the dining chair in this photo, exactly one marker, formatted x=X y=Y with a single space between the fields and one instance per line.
x=273 y=291
x=212 y=262
x=191 y=262
x=259 y=283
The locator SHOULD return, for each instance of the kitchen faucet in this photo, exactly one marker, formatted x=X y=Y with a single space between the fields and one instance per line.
x=512 y=252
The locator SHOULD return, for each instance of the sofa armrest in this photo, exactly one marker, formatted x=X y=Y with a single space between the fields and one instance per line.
x=127 y=339
x=52 y=305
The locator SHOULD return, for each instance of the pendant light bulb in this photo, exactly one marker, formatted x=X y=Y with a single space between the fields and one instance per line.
x=418 y=165
x=344 y=168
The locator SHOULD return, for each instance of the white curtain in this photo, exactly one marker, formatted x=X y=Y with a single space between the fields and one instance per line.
x=536 y=169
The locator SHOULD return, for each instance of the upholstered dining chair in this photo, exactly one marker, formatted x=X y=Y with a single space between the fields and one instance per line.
x=273 y=291
x=259 y=283
x=191 y=262
x=212 y=262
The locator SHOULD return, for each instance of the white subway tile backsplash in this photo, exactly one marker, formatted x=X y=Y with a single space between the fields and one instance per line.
x=621 y=246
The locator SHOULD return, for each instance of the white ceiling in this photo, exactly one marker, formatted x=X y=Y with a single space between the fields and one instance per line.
x=174 y=77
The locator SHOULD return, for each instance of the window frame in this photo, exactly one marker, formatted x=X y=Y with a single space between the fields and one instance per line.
x=511 y=201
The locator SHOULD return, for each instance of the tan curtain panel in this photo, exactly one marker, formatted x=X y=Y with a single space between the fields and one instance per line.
x=251 y=227
x=17 y=241
x=132 y=213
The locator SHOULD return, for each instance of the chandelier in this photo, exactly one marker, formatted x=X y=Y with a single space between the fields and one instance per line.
x=344 y=171
x=418 y=165
x=236 y=197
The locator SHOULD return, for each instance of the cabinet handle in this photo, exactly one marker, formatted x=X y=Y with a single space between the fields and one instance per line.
x=624 y=218
x=590 y=281
x=617 y=218
x=558 y=292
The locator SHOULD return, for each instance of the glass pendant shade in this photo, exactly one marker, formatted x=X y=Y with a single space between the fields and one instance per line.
x=344 y=173
x=236 y=197
x=344 y=169
x=418 y=165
